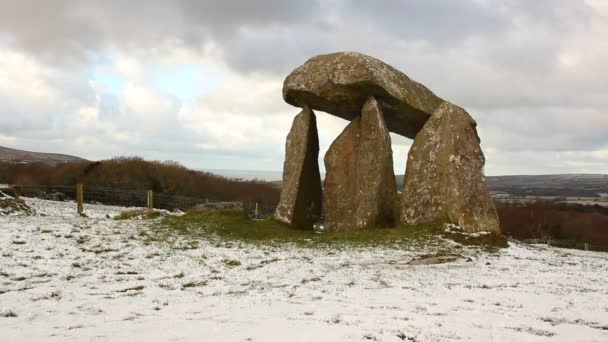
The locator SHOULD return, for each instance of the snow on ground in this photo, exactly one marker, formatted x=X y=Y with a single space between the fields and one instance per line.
x=68 y=278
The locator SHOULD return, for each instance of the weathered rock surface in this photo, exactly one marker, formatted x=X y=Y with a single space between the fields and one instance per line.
x=14 y=206
x=340 y=83
x=360 y=189
x=300 y=204
x=444 y=180
x=433 y=259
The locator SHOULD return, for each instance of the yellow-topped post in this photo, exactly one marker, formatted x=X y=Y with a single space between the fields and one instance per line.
x=150 y=199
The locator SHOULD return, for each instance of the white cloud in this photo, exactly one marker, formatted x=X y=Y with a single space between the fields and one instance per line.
x=149 y=108
x=22 y=76
x=529 y=72
x=88 y=114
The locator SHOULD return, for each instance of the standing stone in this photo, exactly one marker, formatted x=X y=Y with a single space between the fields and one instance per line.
x=300 y=204
x=360 y=189
x=444 y=180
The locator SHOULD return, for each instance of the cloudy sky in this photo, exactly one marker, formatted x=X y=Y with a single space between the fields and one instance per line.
x=199 y=82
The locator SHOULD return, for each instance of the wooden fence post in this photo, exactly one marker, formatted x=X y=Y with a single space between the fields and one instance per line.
x=80 y=198
x=150 y=199
x=586 y=246
x=256 y=211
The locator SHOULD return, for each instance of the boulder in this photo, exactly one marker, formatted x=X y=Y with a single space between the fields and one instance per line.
x=300 y=204
x=444 y=180
x=360 y=189
x=340 y=83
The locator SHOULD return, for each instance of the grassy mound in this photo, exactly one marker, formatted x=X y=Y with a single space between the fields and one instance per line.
x=232 y=225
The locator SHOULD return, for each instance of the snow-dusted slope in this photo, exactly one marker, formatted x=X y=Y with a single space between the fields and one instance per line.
x=19 y=156
x=68 y=278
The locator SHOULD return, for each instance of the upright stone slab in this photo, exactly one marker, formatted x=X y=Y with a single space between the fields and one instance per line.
x=360 y=189
x=444 y=180
x=300 y=204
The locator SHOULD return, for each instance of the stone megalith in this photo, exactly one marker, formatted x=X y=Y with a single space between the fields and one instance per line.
x=360 y=189
x=300 y=204
x=444 y=180
x=340 y=83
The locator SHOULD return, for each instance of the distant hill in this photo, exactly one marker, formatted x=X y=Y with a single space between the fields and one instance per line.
x=12 y=155
x=132 y=173
x=577 y=185
x=551 y=185
x=583 y=185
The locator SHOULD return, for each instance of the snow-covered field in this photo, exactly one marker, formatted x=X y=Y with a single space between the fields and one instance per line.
x=67 y=278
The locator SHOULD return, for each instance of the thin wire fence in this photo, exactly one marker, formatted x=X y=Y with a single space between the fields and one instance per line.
x=258 y=210
x=134 y=198
x=570 y=244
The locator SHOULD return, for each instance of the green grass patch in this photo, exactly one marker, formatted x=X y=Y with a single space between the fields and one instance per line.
x=231 y=263
x=134 y=288
x=194 y=284
x=231 y=225
x=138 y=214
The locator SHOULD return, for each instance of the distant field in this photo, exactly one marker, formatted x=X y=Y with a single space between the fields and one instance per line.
x=573 y=185
x=578 y=185
x=570 y=185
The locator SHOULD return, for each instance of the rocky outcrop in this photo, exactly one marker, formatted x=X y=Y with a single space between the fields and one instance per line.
x=300 y=204
x=360 y=189
x=444 y=180
x=10 y=206
x=340 y=83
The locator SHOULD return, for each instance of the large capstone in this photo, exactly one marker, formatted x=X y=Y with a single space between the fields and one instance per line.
x=360 y=188
x=444 y=180
x=340 y=83
x=300 y=204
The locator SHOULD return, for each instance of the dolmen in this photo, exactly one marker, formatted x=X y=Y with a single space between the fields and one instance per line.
x=444 y=180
